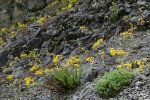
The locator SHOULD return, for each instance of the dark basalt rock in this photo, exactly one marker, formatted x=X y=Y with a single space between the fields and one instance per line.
x=58 y=49
x=46 y=60
x=35 y=5
x=3 y=58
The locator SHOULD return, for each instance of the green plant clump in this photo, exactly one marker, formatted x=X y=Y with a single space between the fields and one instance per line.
x=113 y=82
x=115 y=11
x=68 y=79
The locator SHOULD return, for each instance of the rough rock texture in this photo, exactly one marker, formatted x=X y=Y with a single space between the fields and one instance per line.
x=64 y=34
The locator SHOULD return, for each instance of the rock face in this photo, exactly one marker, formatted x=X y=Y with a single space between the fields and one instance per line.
x=35 y=5
x=12 y=9
x=72 y=33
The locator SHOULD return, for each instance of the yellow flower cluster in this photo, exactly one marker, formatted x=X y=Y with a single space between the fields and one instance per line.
x=32 y=54
x=99 y=42
x=56 y=59
x=101 y=52
x=13 y=27
x=65 y=4
x=126 y=34
x=75 y=61
x=11 y=64
x=47 y=71
x=55 y=3
x=41 y=20
x=90 y=59
x=34 y=67
x=125 y=17
x=28 y=81
x=137 y=63
x=1 y=41
x=128 y=64
x=4 y=30
x=9 y=77
x=83 y=27
x=140 y=19
x=23 y=55
x=114 y=52
x=13 y=34
x=39 y=72
x=69 y=5
x=21 y=25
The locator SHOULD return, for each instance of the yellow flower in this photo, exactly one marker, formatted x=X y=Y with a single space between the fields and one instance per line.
x=132 y=29
x=1 y=41
x=23 y=55
x=34 y=67
x=114 y=52
x=140 y=19
x=1 y=47
x=126 y=34
x=77 y=69
x=56 y=59
x=12 y=27
x=39 y=72
x=4 y=30
x=82 y=48
x=70 y=5
x=119 y=66
x=76 y=65
x=83 y=27
x=13 y=34
x=28 y=81
x=54 y=3
x=32 y=54
x=41 y=20
x=99 y=42
x=11 y=64
x=126 y=17
x=21 y=25
x=47 y=70
x=72 y=1
x=89 y=59
x=140 y=64
x=62 y=9
x=128 y=64
x=16 y=58
x=75 y=60
x=9 y=77
x=145 y=59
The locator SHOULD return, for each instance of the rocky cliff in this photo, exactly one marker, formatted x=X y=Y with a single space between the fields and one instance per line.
x=40 y=37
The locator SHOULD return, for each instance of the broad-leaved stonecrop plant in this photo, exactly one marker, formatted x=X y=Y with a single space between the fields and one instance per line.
x=113 y=82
